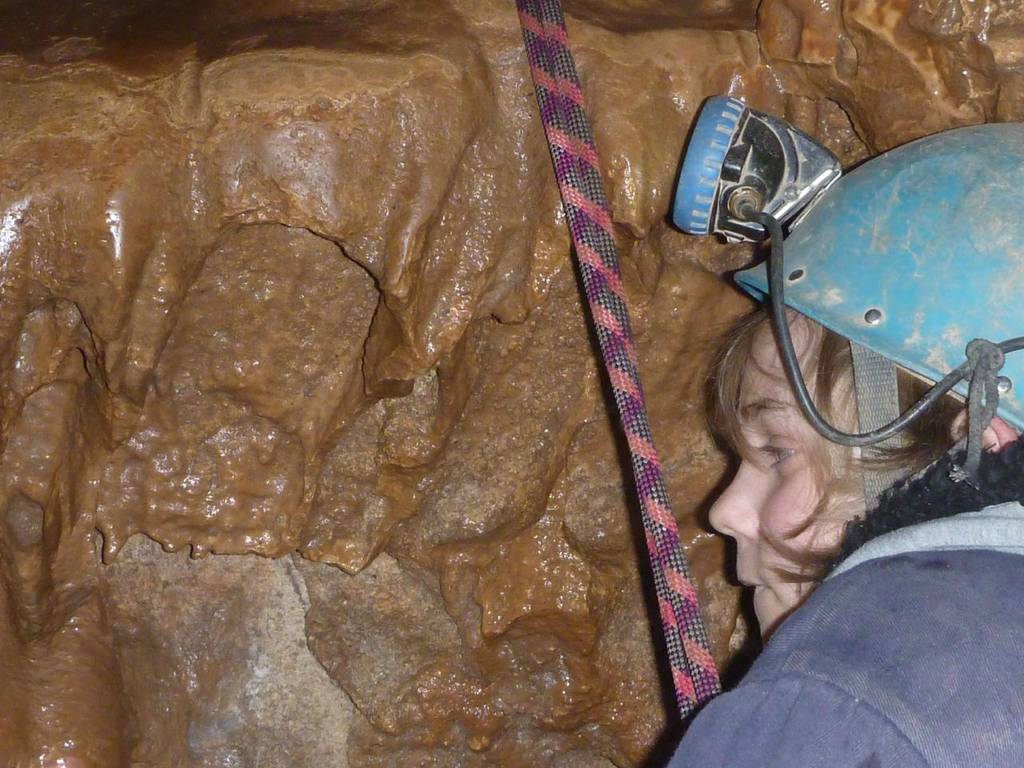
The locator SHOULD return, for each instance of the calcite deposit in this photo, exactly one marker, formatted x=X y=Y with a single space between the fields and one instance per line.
x=305 y=458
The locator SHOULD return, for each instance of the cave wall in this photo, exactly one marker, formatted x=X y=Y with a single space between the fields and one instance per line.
x=304 y=455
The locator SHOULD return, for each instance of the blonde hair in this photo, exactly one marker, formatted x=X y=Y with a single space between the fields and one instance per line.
x=827 y=365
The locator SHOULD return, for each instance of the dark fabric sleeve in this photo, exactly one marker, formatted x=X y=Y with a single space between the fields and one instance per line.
x=794 y=721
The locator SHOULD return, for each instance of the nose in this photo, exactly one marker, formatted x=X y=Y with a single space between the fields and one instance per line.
x=732 y=513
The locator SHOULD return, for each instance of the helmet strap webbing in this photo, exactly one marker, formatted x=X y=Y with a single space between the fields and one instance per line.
x=878 y=403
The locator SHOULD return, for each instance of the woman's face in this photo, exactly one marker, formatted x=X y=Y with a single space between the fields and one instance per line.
x=776 y=489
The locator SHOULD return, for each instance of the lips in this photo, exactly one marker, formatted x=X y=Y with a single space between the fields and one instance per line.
x=746 y=579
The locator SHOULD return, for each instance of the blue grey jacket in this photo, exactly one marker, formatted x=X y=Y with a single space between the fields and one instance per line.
x=910 y=657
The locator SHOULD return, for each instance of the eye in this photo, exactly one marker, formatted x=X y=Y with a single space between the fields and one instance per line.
x=776 y=454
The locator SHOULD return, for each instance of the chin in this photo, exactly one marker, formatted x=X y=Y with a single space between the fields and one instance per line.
x=773 y=604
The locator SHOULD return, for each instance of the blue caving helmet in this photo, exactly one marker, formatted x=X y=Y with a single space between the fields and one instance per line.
x=917 y=252
x=910 y=257
x=916 y=257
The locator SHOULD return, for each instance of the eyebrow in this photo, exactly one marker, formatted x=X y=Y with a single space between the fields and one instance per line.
x=752 y=409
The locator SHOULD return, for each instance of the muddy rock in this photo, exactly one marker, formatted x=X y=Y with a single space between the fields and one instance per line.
x=900 y=71
x=376 y=632
x=534 y=384
x=287 y=287
x=264 y=358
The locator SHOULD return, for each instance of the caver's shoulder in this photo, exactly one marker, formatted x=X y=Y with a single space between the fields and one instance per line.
x=919 y=653
x=794 y=720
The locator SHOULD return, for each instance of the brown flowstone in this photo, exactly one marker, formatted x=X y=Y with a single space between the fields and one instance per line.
x=293 y=277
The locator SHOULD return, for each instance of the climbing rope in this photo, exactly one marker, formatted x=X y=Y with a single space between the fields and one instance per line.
x=589 y=214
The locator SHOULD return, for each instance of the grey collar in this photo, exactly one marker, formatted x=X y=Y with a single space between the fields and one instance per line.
x=999 y=527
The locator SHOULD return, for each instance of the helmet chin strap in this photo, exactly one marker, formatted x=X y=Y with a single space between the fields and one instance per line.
x=877 y=391
x=874 y=378
x=986 y=359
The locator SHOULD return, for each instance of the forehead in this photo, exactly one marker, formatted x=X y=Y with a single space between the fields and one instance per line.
x=764 y=360
x=806 y=337
x=762 y=394
x=764 y=388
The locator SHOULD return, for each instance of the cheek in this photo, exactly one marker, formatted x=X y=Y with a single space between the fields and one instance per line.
x=790 y=503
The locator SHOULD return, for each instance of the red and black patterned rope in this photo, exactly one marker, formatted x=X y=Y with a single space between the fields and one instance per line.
x=589 y=214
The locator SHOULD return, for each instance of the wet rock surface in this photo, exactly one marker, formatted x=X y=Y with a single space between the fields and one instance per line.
x=286 y=286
